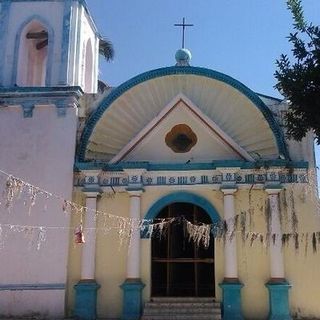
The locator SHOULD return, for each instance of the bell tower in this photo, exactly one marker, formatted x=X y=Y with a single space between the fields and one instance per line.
x=48 y=44
x=48 y=59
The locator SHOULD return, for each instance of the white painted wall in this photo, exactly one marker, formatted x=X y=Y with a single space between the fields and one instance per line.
x=41 y=151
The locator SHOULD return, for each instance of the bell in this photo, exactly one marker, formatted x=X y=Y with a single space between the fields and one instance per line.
x=78 y=235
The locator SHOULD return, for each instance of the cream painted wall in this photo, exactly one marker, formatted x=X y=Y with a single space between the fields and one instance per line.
x=253 y=260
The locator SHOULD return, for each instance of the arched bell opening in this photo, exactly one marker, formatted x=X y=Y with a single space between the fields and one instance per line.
x=33 y=55
x=88 y=68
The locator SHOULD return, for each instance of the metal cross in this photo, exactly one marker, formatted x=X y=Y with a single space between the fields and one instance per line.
x=183 y=25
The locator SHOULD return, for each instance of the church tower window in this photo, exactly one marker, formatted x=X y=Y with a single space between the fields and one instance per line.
x=88 y=68
x=33 y=55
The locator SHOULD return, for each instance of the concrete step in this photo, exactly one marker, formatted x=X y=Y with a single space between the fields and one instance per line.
x=182 y=305
x=181 y=299
x=181 y=317
x=181 y=308
x=178 y=311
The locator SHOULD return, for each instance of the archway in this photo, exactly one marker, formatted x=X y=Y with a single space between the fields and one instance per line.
x=179 y=267
x=33 y=55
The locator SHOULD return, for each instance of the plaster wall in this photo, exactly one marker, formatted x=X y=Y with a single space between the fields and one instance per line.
x=253 y=260
x=39 y=150
x=82 y=31
x=209 y=146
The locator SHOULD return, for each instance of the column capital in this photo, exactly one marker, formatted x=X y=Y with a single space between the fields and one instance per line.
x=135 y=192
x=228 y=190
x=92 y=192
x=273 y=189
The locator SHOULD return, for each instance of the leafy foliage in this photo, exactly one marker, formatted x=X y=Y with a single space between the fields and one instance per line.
x=106 y=49
x=299 y=81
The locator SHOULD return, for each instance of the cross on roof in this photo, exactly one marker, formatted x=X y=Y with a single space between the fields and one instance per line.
x=183 y=25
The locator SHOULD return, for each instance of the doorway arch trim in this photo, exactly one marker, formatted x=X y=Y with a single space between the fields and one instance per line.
x=180 y=196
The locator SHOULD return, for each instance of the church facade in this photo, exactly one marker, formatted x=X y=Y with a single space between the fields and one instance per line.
x=177 y=186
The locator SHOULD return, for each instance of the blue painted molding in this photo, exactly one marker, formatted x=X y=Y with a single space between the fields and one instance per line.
x=175 y=197
x=54 y=91
x=32 y=286
x=269 y=97
x=279 y=300
x=49 y=66
x=65 y=43
x=27 y=108
x=4 y=21
x=100 y=165
x=178 y=70
x=231 y=300
x=182 y=196
x=86 y=300
x=132 y=299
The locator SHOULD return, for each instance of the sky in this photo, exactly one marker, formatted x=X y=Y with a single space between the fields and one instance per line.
x=241 y=38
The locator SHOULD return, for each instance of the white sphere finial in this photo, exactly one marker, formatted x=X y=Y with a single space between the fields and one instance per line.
x=183 y=57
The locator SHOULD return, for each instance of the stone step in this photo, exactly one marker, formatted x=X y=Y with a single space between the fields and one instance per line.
x=178 y=311
x=182 y=305
x=181 y=308
x=182 y=317
x=182 y=299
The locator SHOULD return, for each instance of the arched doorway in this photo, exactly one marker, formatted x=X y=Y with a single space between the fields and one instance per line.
x=179 y=267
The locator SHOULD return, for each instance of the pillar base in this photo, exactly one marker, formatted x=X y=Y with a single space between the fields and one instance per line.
x=86 y=300
x=132 y=299
x=231 y=299
x=279 y=300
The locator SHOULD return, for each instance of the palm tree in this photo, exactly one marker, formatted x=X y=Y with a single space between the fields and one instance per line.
x=106 y=49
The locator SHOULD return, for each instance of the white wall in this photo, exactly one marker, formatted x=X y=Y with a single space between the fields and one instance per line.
x=41 y=151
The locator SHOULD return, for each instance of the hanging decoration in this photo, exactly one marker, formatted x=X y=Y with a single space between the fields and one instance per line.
x=78 y=235
x=200 y=233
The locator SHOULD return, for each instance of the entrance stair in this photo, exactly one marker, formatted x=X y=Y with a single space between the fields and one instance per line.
x=183 y=308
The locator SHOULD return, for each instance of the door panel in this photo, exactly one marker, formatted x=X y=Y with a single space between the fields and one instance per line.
x=179 y=267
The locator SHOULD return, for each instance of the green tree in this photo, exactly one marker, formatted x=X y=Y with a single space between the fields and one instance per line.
x=106 y=49
x=299 y=81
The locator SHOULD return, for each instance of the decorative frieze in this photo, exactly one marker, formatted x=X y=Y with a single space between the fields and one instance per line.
x=139 y=178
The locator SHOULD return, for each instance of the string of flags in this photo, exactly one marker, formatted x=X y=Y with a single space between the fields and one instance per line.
x=200 y=233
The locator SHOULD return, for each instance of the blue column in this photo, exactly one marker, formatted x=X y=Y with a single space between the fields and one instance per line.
x=231 y=300
x=132 y=299
x=279 y=300
x=86 y=300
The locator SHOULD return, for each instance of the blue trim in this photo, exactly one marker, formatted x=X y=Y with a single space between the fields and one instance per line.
x=86 y=300
x=27 y=108
x=187 y=70
x=32 y=286
x=231 y=300
x=9 y=91
x=132 y=299
x=50 y=48
x=65 y=43
x=279 y=300
x=180 y=196
x=269 y=97
x=4 y=21
x=100 y=165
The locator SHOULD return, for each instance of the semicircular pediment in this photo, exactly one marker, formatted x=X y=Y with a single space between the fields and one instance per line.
x=233 y=107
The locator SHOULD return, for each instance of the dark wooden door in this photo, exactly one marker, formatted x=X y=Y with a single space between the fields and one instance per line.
x=180 y=268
